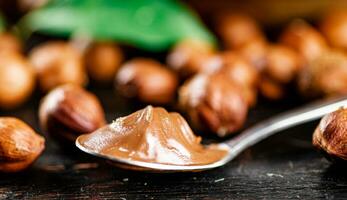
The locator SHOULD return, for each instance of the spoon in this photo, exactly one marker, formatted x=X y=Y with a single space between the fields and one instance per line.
x=240 y=142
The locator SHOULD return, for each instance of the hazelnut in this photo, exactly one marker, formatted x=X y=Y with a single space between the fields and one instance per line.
x=283 y=63
x=238 y=70
x=147 y=80
x=102 y=61
x=304 y=38
x=334 y=28
x=10 y=43
x=330 y=135
x=57 y=63
x=188 y=57
x=255 y=52
x=20 y=146
x=235 y=67
x=325 y=76
x=17 y=80
x=271 y=89
x=237 y=30
x=213 y=101
x=69 y=110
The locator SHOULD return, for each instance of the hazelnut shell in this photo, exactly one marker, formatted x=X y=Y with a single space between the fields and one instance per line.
x=19 y=145
x=69 y=111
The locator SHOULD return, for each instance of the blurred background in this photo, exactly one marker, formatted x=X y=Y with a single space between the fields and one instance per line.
x=154 y=52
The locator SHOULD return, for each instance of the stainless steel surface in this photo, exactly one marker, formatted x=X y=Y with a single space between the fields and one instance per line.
x=244 y=140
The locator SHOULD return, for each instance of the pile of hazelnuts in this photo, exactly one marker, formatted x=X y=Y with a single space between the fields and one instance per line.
x=219 y=87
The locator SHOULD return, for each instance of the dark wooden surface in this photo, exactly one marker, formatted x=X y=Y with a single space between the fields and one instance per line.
x=284 y=166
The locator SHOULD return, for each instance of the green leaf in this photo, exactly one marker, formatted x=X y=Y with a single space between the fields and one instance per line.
x=148 y=24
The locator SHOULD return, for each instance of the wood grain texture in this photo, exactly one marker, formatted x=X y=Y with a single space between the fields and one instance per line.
x=284 y=166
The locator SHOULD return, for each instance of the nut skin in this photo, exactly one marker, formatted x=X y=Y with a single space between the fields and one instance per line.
x=20 y=146
x=147 y=80
x=306 y=40
x=69 y=111
x=325 y=76
x=103 y=59
x=330 y=135
x=188 y=57
x=17 y=80
x=215 y=102
x=238 y=70
x=334 y=28
x=57 y=63
x=10 y=43
x=236 y=30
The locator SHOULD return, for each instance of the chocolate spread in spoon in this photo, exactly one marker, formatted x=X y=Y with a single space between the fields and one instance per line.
x=152 y=135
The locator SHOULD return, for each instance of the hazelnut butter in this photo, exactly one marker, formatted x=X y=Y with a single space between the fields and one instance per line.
x=151 y=135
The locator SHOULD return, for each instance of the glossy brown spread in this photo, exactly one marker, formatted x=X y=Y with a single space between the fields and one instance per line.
x=151 y=135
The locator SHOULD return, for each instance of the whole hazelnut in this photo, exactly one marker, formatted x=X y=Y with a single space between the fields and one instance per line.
x=325 y=76
x=188 y=56
x=103 y=60
x=20 y=146
x=69 y=111
x=283 y=63
x=302 y=37
x=270 y=89
x=10 y=43
x=57 y=63
x=238 y=70
x=334 y=28
x=147 y=80
x=215 y=102
x=255 y=52
x=17 y=80
x=330 y=135
x=237 y=30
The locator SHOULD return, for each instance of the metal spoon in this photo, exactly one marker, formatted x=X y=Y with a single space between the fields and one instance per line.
x=242 y=141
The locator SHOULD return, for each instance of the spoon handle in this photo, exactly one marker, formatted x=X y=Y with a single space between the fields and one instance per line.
x=280 y=122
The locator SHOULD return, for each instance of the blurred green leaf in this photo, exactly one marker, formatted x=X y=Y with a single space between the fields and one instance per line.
x=148 y=24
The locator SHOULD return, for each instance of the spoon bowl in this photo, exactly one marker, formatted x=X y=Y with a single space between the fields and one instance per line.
x=238 y=143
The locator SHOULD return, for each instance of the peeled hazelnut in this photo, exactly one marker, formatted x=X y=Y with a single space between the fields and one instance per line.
x=147 y=80
x=69 y=111
x=304 y=38
x=102 y=61
x=325 y=76
x=57 y=63
x=255 y=52
x=215 y=102
x=237 y=30
x=330 y=135
x=271 y=89
x=238 y=70
x=20 y=146
x=17 y=80
x=283 y=63
x=9 y=43
x=334 y=27
x=188 y=56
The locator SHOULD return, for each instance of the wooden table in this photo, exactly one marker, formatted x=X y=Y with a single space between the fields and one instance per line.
x=284 y=166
